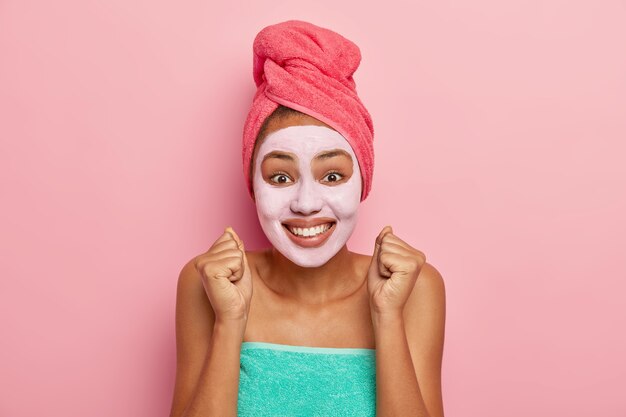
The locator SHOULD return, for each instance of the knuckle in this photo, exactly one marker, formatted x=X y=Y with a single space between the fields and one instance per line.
x=421 y=257
x=231 y=243
x=383 y=258
x=233 y=252
x=200 y=264
x=416 y=263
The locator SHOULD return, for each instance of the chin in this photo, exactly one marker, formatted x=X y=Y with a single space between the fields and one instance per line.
x=308 y=262
x=310 y=257
x=304 y=257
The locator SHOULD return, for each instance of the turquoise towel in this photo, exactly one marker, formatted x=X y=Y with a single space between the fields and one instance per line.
x=305 y=381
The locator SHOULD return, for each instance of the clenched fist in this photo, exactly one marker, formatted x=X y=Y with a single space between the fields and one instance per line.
x=393 y=272
x=226 y=277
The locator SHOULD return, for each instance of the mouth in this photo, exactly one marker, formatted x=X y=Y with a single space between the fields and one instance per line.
x=310 y=237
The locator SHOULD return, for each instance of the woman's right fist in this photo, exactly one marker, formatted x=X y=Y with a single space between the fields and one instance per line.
x=226 y=277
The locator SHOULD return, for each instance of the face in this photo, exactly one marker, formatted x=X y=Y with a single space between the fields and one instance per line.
x=307 y=189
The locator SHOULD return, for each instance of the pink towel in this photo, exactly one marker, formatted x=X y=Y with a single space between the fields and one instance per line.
x=309 y=68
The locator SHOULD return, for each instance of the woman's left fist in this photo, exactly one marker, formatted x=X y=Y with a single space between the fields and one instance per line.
x=392 y=273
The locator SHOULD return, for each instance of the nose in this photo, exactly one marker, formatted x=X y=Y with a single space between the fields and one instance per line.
x=308 y=199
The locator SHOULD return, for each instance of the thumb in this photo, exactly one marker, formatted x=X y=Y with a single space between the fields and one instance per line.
x=235 y=236
x=239 y=244
x=377 y=243
x=375 y=266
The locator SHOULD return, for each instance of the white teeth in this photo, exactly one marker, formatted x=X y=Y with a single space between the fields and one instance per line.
x=309 y=232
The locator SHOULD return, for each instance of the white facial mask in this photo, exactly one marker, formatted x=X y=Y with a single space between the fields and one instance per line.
x=306 y=197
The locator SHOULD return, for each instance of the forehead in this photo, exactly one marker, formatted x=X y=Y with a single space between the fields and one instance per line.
x=305 y=141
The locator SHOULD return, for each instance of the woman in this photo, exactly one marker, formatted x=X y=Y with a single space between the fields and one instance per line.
x=308 y=327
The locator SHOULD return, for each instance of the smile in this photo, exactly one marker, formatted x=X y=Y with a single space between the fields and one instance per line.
x=309 y=232
x=312 y=236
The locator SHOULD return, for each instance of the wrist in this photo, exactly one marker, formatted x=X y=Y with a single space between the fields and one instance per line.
x=230 y=325
x=386 y=318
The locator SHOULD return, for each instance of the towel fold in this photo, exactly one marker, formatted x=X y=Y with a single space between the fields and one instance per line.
x=310 y=69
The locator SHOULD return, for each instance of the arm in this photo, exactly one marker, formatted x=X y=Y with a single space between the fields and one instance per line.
x=207 y=359
x=409 y=351
x=218 y=388
x=397 y=388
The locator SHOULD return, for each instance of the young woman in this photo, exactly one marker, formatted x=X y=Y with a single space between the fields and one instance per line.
x=308 y=327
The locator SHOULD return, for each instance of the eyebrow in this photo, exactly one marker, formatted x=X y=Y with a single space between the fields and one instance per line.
x=324 y=155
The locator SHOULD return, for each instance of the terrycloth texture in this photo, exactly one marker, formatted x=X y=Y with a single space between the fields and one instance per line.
x=309 y=68
x=289 y=381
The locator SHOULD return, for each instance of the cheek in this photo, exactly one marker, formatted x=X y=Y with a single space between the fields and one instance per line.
x=344 y=199
x=271 y=202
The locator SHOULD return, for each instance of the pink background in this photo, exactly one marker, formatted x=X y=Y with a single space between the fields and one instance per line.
x=500 y=132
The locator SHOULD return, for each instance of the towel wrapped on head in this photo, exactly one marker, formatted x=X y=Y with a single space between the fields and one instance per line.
x=309 y=69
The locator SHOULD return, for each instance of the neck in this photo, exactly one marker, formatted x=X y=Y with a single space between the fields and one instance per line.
x=316 y=285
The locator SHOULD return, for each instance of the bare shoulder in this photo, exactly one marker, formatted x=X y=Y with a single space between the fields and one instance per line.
x=427 y=301
x=190 y=292
x=429 y=290
x=431 y=281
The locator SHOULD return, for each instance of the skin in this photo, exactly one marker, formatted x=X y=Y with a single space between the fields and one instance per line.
x=326 y=306
x=339 y=278
x=307 y=172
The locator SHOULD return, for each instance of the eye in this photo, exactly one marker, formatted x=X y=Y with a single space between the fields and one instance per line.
x=334 y=175
x=282 y=178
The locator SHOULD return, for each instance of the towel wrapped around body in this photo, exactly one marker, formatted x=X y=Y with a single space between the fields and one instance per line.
x=304 y=381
